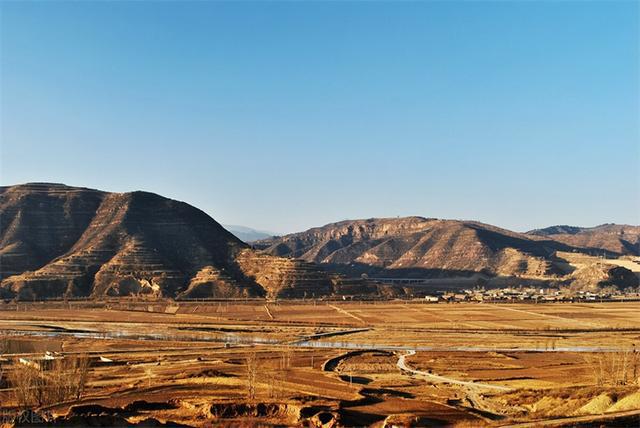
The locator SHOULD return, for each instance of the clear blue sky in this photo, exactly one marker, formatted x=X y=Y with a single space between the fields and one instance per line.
x=283 y=116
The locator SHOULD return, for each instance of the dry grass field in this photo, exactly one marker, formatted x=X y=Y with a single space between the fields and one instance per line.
x=326 y=363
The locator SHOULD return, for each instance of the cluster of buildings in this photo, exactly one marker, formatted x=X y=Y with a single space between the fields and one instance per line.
x=528 y=294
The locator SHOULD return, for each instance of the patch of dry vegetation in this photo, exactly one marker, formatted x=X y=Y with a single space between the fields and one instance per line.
x=187 y=379
x=614 y=368
x=35 y=386
x=252 y=367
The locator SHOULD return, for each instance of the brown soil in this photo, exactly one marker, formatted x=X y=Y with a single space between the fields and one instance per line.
x=189 y=367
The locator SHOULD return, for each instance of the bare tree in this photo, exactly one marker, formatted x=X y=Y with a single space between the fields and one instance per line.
x=636 y=380
x=26 y=384
x=614 y=368
x=285 y=358
x=4 y=346
x=49 y=383
x=251 y=365
x=275 y=380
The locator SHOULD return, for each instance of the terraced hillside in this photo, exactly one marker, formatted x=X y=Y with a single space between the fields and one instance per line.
x=416 y=246
x=58 y=241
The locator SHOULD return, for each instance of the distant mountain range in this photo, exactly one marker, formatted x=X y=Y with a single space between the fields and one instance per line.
x=57 y=241
x=247 y=234
x=426 y=247
x=617 y=238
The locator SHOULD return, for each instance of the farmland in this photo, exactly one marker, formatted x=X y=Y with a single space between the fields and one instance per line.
x=229 y=363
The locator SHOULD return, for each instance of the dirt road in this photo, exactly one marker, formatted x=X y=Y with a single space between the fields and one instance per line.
x=402 y=364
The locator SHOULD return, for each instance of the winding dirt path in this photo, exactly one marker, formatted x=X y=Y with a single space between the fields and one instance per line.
x=580 y=323
x=349 y=314
x=266 y=308
x=402 y=365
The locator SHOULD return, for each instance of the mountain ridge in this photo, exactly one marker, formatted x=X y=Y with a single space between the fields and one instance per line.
x=419 y=245
x=618 y=238
x=80 y=242
x=63 y=241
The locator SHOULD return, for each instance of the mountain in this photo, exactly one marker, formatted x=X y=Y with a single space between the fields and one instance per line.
x=247 y=234
x=616 y=238
x=595 y=276
x=562 y=229
x=57 y=240
x=61 y=241
x=422 y=247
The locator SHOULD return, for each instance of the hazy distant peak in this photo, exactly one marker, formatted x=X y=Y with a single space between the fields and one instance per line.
x=248 y=234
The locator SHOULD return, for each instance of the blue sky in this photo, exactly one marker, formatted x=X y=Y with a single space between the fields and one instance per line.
x=283 y=116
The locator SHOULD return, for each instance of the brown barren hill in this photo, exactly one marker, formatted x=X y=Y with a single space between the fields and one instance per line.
x=617 y=238
x=421 y=247
x=60 y=241
x=40 y=221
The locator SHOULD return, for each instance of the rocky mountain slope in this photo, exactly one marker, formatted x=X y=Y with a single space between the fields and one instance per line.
x=622 y=239
x=602 y=275
x=58 y=241
x=422 y=247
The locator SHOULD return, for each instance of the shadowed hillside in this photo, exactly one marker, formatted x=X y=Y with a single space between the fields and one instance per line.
x=65 y=241
x=59 y=241
x=416 y=246
x=617 y=238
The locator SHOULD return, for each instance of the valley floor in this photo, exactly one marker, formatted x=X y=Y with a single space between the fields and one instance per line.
x=337 y=363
